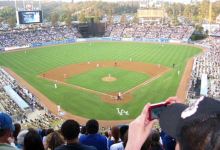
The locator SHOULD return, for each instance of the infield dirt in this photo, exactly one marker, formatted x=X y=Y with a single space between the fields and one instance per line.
x=60 y=74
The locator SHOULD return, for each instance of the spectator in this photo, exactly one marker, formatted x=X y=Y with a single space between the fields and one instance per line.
x=94 y=138
x=153 y=142
x=42 y=133
x=20 y=139
x=16 y=131
x=82 y=131
x=139 y=130
x=123 y=137
x=196 y=127
x=70 y=130
x=54 y=140
x=106 y=134
x=6 y=131
x=32 y=141
x=115 y=136
x=169 y=143
x=47 y=132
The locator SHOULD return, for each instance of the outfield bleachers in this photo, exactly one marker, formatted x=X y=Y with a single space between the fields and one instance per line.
x=28 y=36
x=149 y=31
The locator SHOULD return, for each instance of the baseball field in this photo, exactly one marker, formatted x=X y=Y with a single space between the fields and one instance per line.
x=85 y=79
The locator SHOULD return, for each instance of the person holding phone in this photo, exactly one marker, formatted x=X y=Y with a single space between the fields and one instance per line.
x=195 y=127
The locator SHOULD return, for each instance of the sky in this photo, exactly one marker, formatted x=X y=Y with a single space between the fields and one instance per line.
x=184 y=1
x=181 y=1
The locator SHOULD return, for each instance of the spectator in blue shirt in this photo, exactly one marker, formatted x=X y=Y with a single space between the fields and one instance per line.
x=93 y=138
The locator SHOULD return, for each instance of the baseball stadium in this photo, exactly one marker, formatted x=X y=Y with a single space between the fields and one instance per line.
x=59 y=64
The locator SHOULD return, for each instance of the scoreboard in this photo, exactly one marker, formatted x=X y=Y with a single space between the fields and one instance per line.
x=29 y=17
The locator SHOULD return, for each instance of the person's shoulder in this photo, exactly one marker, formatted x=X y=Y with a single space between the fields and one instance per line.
x=101 y=137
x=7 y=147
x=117 y=146
x=86 y=147
x=82 y=137
x=110 y=142
x=75 y=147
x=61 y=147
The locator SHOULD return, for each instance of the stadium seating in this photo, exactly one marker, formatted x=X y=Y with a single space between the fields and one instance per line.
x=28 y=36
x=207 y=63
x=149 y=31
x=38 y=116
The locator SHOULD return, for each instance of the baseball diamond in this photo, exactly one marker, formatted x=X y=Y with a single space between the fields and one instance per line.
x=149 y=77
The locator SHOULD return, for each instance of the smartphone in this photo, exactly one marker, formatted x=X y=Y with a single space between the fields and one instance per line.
x=155 y=110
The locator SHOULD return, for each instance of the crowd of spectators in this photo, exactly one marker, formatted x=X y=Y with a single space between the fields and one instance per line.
x=36 y=116
x=216 y=32
x=207 y=63
x=6 y=103
x=23 y=37
x=71 y=135
x=140 y=134
x=149 y=31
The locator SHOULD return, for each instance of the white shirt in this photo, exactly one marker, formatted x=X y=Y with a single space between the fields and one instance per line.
x=117 y=146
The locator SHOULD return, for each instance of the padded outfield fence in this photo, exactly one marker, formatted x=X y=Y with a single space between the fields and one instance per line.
x=73 y=40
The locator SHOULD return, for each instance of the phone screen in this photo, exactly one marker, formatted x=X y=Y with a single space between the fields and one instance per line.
x=155 y=112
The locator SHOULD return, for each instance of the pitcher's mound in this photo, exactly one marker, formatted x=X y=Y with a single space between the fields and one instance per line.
x=109 y=79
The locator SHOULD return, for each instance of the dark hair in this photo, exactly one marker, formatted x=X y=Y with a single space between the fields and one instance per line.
x=153 y=141
x=54 y=139
x=125 y=138
x=83 y=130
x=123 y=131
x=43 y=133
x=48 y=131
x=201 y=135
x=115 y=134
x=32 y=141
x=106 y=134
x=16 y=131
x=70 y=129
x=92 y=126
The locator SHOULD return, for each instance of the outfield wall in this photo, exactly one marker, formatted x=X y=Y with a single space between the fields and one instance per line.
x=53 y=43
x=160 y=40
x=73 y=40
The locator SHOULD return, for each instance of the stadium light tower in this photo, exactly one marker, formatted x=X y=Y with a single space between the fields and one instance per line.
x=144 y=3
x=210 y=11
x=27 y=5
x=210 y=16
x=150 y=3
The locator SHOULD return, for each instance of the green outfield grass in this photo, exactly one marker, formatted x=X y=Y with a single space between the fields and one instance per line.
x=33 y=62
x=125 y=79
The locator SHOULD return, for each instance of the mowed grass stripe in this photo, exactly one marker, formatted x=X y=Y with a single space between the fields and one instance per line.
x=37 y=61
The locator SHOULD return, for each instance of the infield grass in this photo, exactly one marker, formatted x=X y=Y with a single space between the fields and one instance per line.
x=125 y=79
x=33 y=62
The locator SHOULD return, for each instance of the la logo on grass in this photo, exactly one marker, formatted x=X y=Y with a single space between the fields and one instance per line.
x=122 y=112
